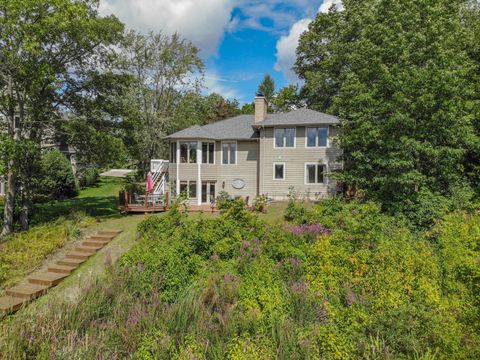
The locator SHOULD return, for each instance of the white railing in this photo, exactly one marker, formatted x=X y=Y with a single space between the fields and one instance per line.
x=159 y=170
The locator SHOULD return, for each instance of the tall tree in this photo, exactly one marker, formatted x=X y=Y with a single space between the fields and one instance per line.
x=267 y=88
x=165 y=68
x=287 y=99
x=400 y=76
x=45 y=46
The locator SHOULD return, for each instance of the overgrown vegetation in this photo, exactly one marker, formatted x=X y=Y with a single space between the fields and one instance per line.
x=350 y=282
x=25 y=251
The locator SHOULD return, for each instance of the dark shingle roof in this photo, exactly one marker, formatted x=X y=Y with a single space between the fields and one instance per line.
x=243 y=127
x=299 y=117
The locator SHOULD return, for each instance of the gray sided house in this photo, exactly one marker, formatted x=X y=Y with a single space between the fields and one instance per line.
x=261 y=154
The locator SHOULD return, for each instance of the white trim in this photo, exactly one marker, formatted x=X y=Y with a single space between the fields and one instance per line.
x=316 y=137
x=177 y=185
x=199 y=173
x=285 y=138
x=284 y=171
x=214 y=152
x=221 y=152
x=325 y=178
x=188 y=152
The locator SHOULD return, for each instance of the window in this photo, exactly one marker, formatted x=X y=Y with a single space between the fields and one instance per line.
x=188 y=152
x=284 y=137
x=208 y=153
x=315 y=173
x=317 y=137
x=278 y=171
x=173 y=152
x=229 y=153
x=208 y=192
x=192 y=189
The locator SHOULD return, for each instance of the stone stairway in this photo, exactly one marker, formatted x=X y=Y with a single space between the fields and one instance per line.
x=38 y=283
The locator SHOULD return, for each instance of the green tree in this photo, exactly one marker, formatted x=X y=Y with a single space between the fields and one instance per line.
x=267 y=88
x=57 y=180
x=287 y=99
x=45 y=47
x=400 y=75
x=165 y=68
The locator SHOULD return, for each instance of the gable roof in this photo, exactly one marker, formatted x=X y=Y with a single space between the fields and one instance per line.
x=243 y=127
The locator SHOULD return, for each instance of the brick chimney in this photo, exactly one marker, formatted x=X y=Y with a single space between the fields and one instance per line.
x=260 y=108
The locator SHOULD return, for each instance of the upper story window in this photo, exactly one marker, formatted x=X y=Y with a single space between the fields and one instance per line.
x=229 y=153
x=173 y=152
x=208 y=153
x=188 y=152
x=284 y=137
x=317 y=137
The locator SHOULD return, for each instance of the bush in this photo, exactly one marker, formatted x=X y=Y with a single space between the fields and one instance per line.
x=224 y=200
x=88 y=177
x=57 y=180
x=260 y=204
x=294 y=212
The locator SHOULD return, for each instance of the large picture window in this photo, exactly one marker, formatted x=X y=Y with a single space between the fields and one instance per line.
x=189 y=187
x=188 y=152
x=284 y=137
x=315 y=173
x=208 y=153
x=229 y=153
x=317 y=137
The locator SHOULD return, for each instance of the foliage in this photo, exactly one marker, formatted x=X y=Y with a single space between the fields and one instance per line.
x=267 y=88
x=165 y=68
x=403 y=77
x=294 y=211
x=88 y=177
x=23 y=252
x=57 y=180
x=233 y=287
x=287 y=99
x=260 y=203
x=224 y=200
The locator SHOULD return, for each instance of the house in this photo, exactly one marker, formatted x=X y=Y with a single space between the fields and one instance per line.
x=261 y=154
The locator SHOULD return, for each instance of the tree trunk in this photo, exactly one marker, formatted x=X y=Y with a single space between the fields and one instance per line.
x=9 y=200
x=14 y=131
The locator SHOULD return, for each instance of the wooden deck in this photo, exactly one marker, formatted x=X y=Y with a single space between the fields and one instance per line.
x=38 y=283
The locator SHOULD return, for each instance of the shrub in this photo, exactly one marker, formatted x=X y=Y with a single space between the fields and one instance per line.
x=88 y=177
x=224 y=200
x=260 y=203
x=57 y=180
x=294 y=212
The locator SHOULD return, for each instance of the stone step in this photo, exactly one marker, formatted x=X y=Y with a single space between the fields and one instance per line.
x=10 y=304
x=78 y=255
x=88 y=249
x=101 y=237
x=100 y=243
x=47 y=278
x=109 y=232
x=27 y=291
x=61 y=269
x=70 y=262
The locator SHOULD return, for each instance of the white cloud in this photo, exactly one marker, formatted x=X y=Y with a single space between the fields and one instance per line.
x=214 y=83
x=286 y=49
x=202 y=22
x=327 y=4
x=287 y=44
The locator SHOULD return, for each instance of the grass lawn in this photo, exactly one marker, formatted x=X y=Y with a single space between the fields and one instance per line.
x=98 y=201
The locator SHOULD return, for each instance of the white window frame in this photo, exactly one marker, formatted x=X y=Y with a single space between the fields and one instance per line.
x=285 y=138
x=316 y=137
x=284 y=171
x=214 y=152
x=188 y=152
x=236 y=152
x=188 y=188
x=325 y=178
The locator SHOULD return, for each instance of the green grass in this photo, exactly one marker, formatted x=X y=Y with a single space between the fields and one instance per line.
x=98 y=201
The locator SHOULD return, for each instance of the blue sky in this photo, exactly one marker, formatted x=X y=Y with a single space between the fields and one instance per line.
x=241 y=40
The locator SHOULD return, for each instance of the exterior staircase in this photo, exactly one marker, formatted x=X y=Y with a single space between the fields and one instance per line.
x=37 y=284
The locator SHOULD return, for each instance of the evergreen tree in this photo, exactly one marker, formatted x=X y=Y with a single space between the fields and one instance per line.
x=267 y=88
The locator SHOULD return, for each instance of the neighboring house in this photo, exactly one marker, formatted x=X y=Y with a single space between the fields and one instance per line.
x=261 y=154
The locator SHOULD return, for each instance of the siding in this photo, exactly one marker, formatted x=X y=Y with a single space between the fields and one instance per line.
x=294 y=160
x=246 y=169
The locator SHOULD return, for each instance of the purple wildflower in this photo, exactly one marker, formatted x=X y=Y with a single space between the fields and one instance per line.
x=312 y=229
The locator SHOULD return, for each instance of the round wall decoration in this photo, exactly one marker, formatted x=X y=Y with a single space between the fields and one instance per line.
x=238 y=184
